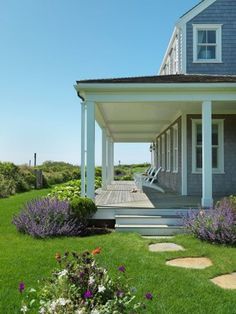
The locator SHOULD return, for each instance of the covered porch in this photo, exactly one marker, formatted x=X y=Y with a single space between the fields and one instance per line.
x=137 y=110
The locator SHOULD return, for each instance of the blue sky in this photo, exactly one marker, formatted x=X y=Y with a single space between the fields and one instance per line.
x=46 y=45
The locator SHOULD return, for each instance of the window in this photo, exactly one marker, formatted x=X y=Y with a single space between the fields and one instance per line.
x=217 y=146
x=163 y=155
x=168 y=150
x=175 y=148
x=207 y=43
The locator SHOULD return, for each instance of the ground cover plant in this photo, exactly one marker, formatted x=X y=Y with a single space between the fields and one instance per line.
x=26 y=260
x=80 y=285
x=126 y=172
x=217 y=225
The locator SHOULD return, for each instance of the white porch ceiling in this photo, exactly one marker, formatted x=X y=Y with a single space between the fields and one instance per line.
x=142 y=122
x=137 y=122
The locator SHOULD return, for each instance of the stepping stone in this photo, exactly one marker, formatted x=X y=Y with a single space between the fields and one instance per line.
x=191 y=262
x=165 y=247
x=225 y=281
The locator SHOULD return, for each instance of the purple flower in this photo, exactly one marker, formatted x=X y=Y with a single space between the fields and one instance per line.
x=21 y=287
x=148 y=296
x=88 y=294
x=121 y=268
x=119 y=293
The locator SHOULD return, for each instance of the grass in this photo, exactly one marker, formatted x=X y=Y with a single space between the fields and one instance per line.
x=175 y=290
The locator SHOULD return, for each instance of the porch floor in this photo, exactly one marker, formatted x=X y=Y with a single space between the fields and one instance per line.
x=119 y=194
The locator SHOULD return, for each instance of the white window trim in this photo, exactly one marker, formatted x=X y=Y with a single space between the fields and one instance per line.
x=220 y=169
x=175 y=148
x=163 y=153
x=168 y=151
x=218 y=29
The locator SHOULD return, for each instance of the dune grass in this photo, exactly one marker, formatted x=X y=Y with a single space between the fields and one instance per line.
x=175 y=290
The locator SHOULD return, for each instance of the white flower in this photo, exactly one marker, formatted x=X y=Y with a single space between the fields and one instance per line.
x=24 y=309
x=62 y=301
x=101 y=288
x=95 y=312
x=91 y=280
x=32 y=290
x=62 y=273
x=42 y=310
x=82 y=311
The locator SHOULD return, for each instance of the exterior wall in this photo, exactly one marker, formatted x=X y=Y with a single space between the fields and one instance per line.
x=223 y=184
x=220 y=12
x=168 y=179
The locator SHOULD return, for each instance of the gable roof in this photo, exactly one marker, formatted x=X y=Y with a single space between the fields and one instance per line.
x=165 y=79
x=204 y=4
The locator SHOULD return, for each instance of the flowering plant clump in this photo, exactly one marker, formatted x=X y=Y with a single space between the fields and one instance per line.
x=80 y=286
x=47 y=217
x=217 y=225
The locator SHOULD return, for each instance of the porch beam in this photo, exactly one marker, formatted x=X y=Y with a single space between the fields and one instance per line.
x=82 y=159
x=90 y=149
x=138 y=122
x=207 y=199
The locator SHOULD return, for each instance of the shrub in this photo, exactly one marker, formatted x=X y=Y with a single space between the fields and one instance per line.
x=66 y=191
x=81 y=286
x=83 y=208
x=217 y=225
x=98 y=182
x=7 y=186
x=47 y=217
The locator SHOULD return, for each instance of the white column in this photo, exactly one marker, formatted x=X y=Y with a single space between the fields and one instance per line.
x=82 y=166
x=207 y=200
x=112 y=161
x=104 y=159
x=184 y=166
x=90 y=149
x=109 y=160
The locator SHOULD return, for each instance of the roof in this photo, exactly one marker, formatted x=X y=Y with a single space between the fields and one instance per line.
x=192 y=8
x=165 y=79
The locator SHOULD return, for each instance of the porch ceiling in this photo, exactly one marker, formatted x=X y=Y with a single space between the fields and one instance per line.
x=136 y=122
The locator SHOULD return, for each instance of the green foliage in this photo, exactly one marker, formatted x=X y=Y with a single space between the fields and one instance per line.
x=66 y=191
x=80 y=285
x=7 y=186
x=98 y=182
x=83 y=208
x=126 y=172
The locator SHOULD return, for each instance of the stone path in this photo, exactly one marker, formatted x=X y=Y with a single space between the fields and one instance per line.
x=225 y=281
x=165 y=247
x=191 y=262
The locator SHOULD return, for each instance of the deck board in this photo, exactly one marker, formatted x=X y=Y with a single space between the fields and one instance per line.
x=120 y=194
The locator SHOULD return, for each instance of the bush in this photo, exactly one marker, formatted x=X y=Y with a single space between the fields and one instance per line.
x=7 y=186
x=217 y=225
x=83 y=208
x=48 y=217
x=66 y=191
x=80 y=285
x=98 y=182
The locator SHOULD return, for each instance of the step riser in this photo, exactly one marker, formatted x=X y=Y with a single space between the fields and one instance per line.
x=149 y=221
x=152 y=232
x=151 y=212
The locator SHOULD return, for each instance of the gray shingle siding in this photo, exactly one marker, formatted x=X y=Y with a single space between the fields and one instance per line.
x=220 y=12
x=223 y=184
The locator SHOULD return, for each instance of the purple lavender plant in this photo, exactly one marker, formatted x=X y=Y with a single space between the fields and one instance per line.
x=217 y=225
x=48 y=217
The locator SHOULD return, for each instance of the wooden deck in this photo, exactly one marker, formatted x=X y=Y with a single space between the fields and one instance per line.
x=125 y=194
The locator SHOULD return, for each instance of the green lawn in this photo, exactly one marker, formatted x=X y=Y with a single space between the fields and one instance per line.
x=175 y=290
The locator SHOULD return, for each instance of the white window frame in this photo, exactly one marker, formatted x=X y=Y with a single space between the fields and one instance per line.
x=163 y=153
x=175 y=148
x=168 y=152
x=159 y=152
x=220 y=168
x=214 y=27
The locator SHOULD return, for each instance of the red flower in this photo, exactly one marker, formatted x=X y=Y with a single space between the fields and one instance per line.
x=96 y=251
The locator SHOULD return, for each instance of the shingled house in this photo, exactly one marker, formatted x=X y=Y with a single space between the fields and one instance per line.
x=187 y=112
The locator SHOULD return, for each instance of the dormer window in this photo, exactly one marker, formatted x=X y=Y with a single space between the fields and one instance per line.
x=207 y=43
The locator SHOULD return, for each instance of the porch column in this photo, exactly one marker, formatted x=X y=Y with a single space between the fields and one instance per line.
x=109 y=160
x=90 y=149
x=184 y=166
x=207 y=199
x=112 y=161
x=82 y=166
x=104 y=159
